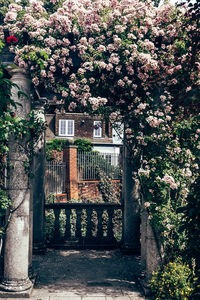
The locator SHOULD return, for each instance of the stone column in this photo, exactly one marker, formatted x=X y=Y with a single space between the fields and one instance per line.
x=130 y=200
x=70 y=157
x=151 y=251
x=38 y=195
x=16 y=258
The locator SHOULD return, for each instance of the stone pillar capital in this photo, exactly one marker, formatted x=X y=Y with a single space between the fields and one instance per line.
x=15 y=71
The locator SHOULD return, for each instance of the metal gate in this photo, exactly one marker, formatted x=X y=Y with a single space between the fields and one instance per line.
x=55 y=178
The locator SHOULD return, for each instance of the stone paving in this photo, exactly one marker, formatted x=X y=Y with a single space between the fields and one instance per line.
x=86 y=275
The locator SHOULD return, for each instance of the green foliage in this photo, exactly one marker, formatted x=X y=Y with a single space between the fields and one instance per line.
x=173 y=281
x=58 y=144
x=55 y=145
x=38 y=57
x=83 y=145
x=51 y=7
x=106 y=187
x=192 y=227
x=4 y=202
x=166 y=178
x=29 y=129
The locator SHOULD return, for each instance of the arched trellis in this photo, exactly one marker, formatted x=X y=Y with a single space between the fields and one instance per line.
x=27 y=220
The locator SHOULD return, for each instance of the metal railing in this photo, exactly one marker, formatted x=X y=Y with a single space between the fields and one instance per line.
x=55 y=178
x=84 y=225
x=90 y=165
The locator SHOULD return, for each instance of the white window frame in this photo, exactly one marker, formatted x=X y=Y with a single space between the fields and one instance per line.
x=97 y=133
x=118 y=133
x=66 y=133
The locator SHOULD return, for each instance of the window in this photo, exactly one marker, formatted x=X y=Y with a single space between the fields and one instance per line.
x=97 y=129
x=118 y=133
x=66 y=127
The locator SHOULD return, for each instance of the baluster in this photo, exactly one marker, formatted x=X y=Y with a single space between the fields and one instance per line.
x=89 y=223
x=68 y=224
x=57 y=224
x=100 y=225
x=78 y=222
x=110 y=233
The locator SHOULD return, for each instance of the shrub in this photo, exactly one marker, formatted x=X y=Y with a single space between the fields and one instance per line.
x=106 y=187
x=49 y=224
x=173 y=281
x=55 y=145
x=192 y=224
x=83 y=145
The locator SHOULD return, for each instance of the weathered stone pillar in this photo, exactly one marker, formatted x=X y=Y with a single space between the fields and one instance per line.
x=38 y=195
x=16 y=258
x=70 y=157
x=151 y=252
x=130 y=199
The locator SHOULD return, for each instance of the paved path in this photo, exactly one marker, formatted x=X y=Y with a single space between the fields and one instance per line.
x=86 y=275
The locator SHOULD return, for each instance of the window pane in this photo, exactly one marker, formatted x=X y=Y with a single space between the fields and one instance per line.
x=118 y=133
x=97 y=129
x=70 y=128
x=62 y=127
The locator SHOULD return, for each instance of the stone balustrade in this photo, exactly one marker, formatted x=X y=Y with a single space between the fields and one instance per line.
x=86 y=225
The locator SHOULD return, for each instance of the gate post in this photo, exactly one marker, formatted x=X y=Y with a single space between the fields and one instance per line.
x=38 y=195
x=16 y=258
x=70 y=157
x=130 y=200
x=152 y=253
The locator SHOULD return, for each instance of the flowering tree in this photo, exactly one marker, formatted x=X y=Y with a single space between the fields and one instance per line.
x=134 y=63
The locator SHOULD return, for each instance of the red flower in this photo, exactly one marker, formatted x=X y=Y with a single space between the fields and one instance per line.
x=12 y=40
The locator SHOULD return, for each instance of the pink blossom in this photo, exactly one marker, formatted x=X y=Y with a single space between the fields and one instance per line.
x=169 y=179
x=64 y=94
x=15 y=7
x=10 y=16
x=101 y=48
x=121 y=83
x=114 y=59
x=66 y=42
x=146 y=204
x=50 y=42
x=72 y=106
x=43 y=73
x=188 y=89
x=35 y=81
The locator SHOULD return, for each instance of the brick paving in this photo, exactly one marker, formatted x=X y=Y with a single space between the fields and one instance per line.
x=86 y=275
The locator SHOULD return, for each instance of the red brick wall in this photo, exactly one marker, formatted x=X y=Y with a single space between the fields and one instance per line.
x=89 y=189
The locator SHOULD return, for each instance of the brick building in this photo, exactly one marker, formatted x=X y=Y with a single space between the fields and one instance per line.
x=80 y=125
x=70 y=126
